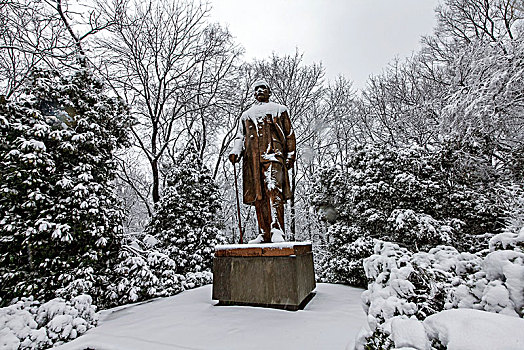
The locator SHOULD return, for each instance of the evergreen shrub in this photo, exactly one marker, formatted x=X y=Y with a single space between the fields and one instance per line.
x=417 y=198
x=60 y=222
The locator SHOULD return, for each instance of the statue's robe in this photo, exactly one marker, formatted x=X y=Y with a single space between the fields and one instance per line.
x=265 y=135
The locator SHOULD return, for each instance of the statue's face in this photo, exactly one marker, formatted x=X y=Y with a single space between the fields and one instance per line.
x=262 y=93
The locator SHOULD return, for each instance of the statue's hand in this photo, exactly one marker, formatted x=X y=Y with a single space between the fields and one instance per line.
x=233 y=158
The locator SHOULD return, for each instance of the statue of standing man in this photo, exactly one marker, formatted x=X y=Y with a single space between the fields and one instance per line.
x=266 y=142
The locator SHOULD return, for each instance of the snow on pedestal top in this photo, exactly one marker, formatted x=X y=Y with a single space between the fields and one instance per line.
x=266 y=249
x=281 y=245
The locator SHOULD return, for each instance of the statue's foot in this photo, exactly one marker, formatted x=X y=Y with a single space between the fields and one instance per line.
x=259 y=239
x=277 y=236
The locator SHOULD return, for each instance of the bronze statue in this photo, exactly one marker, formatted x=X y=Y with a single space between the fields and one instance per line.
x=266 y=142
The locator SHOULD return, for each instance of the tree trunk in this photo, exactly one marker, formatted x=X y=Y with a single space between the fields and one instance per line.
x=156 y=181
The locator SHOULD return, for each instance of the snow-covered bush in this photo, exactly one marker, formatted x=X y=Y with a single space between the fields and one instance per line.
x=464 y=329
x=60 y=223
x=438 y=185
x=341 y=260
x=406 y=285
x=411 y=284
x=415 y=197
x=421 y=229
x=27 y=324
x=186 y=221
x=143 y=275
x=198 y=279
x=499 y=285
x=145 y=272
x=175 y=251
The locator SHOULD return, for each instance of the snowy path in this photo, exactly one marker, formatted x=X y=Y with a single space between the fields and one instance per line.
x=191 y=321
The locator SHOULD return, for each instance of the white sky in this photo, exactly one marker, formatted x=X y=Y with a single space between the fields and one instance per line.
x=355 y=38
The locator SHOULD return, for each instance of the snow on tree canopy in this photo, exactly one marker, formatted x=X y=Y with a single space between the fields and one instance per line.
x=60 y=223
x=417 y=197
x=186 y=222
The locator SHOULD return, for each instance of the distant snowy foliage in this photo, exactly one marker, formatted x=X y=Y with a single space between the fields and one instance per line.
x=418 y=198
x=485 y=103
x=515 y=211
x=27 y=324
x=186 y=221
x=406 y=285
x=60 y=223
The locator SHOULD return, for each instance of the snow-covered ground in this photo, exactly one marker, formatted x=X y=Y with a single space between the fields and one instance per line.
x=466 y=329
x=190 y=320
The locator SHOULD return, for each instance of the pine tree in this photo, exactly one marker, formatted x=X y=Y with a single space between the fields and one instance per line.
x=60 y=223
x=186 y=222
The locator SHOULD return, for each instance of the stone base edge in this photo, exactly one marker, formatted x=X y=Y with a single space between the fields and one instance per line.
x=302 y=305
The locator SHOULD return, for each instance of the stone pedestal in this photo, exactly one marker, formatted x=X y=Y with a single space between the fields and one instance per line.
x=279 y=275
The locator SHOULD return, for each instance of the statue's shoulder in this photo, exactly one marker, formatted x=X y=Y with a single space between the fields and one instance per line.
x=280 y=108
x=262 y=109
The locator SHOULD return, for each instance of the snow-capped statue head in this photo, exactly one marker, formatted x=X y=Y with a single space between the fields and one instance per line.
x=261 y=90
x=260 y=82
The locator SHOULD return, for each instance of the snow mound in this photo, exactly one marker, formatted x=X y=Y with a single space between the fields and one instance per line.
x=507 y=240
x=466 y=329
x=407 y=288
x=29 y=325
x=409 y=332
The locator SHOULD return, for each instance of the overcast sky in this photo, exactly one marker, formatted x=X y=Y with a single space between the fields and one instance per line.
x=355 y=38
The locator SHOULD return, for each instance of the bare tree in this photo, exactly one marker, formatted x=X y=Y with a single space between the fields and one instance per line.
x=345 y=125
x=477 y=46
x=463 y=86
x=487 y=106
x=402 y=106
x=170 y=66
x=237 y=98
x=41 y=34
x=466 y=20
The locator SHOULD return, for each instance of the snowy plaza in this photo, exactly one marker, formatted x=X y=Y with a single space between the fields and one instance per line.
x=274 y=174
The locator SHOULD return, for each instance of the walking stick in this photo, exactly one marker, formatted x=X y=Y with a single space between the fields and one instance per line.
x=238 y=204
